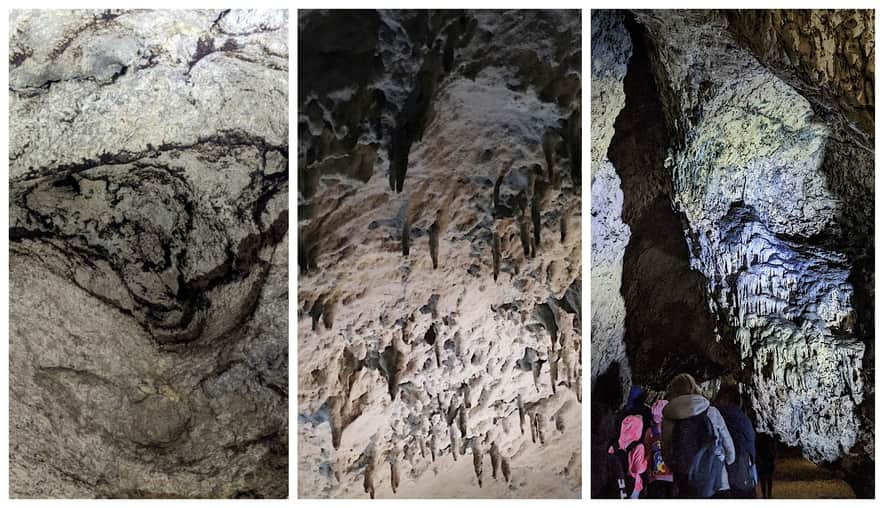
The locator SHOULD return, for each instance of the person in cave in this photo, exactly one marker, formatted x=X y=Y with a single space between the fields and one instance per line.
x=626 y=461
x=765 y=463
x=696 y=441
x=659 y=475
x=635 y=405
x=741 y=473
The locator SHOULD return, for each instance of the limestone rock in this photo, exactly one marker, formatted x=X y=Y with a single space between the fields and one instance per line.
x=148 y=254
x=428 y=141
x=764 y=157
x=611 y=49
x=749 y=178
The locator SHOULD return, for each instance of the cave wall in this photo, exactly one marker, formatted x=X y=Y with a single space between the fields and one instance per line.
x=439 y=291
x=610 y=53
x=768 y=120
x=148 y=280
x=752 y=179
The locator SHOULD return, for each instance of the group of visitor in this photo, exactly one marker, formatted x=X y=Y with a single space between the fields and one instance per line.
x=684 y=446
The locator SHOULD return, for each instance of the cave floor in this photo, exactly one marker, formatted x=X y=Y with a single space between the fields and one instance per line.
x=798 y=478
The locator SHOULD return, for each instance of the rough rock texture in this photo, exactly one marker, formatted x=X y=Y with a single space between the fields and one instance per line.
x=439 y=254
x=770 y=170
x=611 y=50
x=827 y=55
x=148 y=254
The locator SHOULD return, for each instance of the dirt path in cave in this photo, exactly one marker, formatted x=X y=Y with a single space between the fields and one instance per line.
x=798 y=478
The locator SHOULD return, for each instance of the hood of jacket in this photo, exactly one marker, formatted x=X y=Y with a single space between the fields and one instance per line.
x=685 y=406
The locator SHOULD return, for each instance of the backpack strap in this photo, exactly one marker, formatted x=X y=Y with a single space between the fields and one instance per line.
x=712 y=432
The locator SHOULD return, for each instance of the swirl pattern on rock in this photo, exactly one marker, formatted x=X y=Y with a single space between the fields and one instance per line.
x=439 y=310
x=148 y=258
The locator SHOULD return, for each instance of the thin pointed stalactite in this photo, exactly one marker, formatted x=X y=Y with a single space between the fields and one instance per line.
x=536 y=221
x=478 y=462
x=522 y=414
x=496 y=255
x=395 y=475
x=434 y=243
x=494 y=457
x=404 y=238
x=524 y=237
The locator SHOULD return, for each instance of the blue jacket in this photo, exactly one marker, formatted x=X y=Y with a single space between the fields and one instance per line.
x=740 y=428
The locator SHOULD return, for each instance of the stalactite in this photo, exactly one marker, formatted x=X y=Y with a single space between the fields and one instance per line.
x=478 y=461
x=494 y=456
x=505 y=469
x=563 y=227
x=524 y=234
x=434 y=243
x=522 y=414
x=404 y=237
x=395 y=474
x=536 y=221
x=496 y=255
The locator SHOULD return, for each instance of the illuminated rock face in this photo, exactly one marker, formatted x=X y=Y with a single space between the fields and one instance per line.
x=148 y=254
x=611 y=50
x=770 y=171
x=439 y=289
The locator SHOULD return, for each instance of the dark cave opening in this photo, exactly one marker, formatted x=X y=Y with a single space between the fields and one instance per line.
x=669 y=328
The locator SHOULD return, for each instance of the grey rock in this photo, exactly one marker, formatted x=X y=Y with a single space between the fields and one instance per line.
x=408 y=119
x=148 y=257
x=611 y=50
x=770 y=172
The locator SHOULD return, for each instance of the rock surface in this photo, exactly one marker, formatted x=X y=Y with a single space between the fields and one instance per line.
x=611 y=50
x=148 y=254
x=770 y=168
x=439 y=224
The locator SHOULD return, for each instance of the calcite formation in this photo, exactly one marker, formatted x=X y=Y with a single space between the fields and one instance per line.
x=439 y=326
x=769 y=168
x=148 y=254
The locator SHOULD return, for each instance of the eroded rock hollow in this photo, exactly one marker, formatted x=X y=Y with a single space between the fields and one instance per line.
x=439 y=254
x=148 y=254
x=732 y=182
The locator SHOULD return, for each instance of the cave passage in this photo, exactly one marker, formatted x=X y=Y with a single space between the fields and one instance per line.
x=669 y=328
